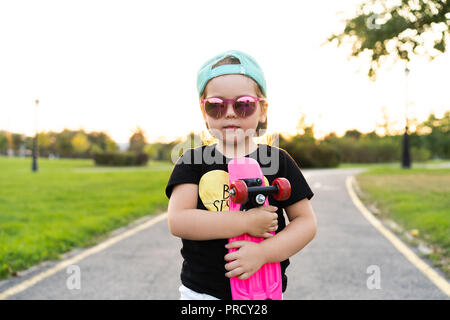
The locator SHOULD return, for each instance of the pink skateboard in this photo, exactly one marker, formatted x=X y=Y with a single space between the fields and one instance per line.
x=248 y=190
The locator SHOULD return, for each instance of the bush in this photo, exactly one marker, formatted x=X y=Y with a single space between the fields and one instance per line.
x=368 y=151
x=120 y=159
x=311 y=154
x=420 y=154
x=325 y=156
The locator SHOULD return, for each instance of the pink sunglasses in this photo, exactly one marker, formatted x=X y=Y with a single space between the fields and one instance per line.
x=243 y=106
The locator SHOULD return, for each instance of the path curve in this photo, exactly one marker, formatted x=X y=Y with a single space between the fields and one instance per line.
x=348 y=259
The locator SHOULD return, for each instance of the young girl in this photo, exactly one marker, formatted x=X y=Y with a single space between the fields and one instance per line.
x=232 y=92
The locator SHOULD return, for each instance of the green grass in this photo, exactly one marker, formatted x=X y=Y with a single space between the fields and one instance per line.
x=417 y=198
x=69 y=203
x=415 y=165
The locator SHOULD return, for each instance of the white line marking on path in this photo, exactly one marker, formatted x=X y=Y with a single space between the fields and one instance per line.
x=64 y=264
x=431 y=274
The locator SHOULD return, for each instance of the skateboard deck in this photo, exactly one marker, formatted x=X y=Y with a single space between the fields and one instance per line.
x=266 y=282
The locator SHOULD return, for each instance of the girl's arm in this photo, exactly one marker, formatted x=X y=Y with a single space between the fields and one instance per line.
x=297 y=234
x=188 y=222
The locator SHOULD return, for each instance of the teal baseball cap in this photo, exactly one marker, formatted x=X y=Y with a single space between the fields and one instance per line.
x=248 y=66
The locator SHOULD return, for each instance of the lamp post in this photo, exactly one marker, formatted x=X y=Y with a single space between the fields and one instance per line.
x=406 y=154
x=34 y=166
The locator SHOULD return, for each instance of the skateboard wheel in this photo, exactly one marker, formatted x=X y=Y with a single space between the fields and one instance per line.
x=284 y=189
x=238 y=192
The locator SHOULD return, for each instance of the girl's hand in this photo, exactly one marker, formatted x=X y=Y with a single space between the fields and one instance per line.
x=245 y=261
x=261 y=221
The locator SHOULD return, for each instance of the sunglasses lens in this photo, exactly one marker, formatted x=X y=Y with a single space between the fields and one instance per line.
x=214 y=108
x=245 y=106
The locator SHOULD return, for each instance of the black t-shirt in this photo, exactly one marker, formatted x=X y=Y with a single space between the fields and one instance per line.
x=203 y=268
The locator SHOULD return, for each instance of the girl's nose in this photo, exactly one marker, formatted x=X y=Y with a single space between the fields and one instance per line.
x=230 y=111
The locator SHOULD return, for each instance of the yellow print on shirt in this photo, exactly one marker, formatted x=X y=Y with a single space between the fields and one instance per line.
x=213 y=190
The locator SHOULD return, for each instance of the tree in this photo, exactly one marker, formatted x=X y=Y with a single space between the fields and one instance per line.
x=102 y=141
x=111 y=146
x=353 y=134
x=80 y=143
x=371 y=135
x=438 y=138
x=3 y=142
x=64 y=142
x=44 y=141
x=331 y=137
x=18 y=140
x=399 y=29
x=301 y=124
x=137 y=141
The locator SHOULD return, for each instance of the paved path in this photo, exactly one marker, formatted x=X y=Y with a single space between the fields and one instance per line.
x=334 y=265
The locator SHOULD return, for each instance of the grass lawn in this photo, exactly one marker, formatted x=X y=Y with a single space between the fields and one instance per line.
x=69 y=203
x=416 y=199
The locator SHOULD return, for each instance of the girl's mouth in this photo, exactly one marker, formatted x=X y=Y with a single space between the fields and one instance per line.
x=231 y=127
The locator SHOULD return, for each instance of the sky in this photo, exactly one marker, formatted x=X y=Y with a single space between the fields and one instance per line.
x=115 y=65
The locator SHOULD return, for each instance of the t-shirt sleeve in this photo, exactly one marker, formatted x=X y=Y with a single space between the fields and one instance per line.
x=299 y=187
x=184 y=171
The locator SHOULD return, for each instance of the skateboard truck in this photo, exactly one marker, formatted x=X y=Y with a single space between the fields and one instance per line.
x=250 y=193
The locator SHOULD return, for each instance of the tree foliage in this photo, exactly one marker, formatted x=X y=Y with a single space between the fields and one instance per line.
x=67 y=143
x=137 y=141
x=399 y=29
x=438 y=138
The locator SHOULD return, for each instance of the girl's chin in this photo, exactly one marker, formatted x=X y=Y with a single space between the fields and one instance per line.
x=233 y=139
x=233 y=133
x=232 y=136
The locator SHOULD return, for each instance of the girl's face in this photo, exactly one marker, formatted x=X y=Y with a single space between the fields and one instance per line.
x=231 y=86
